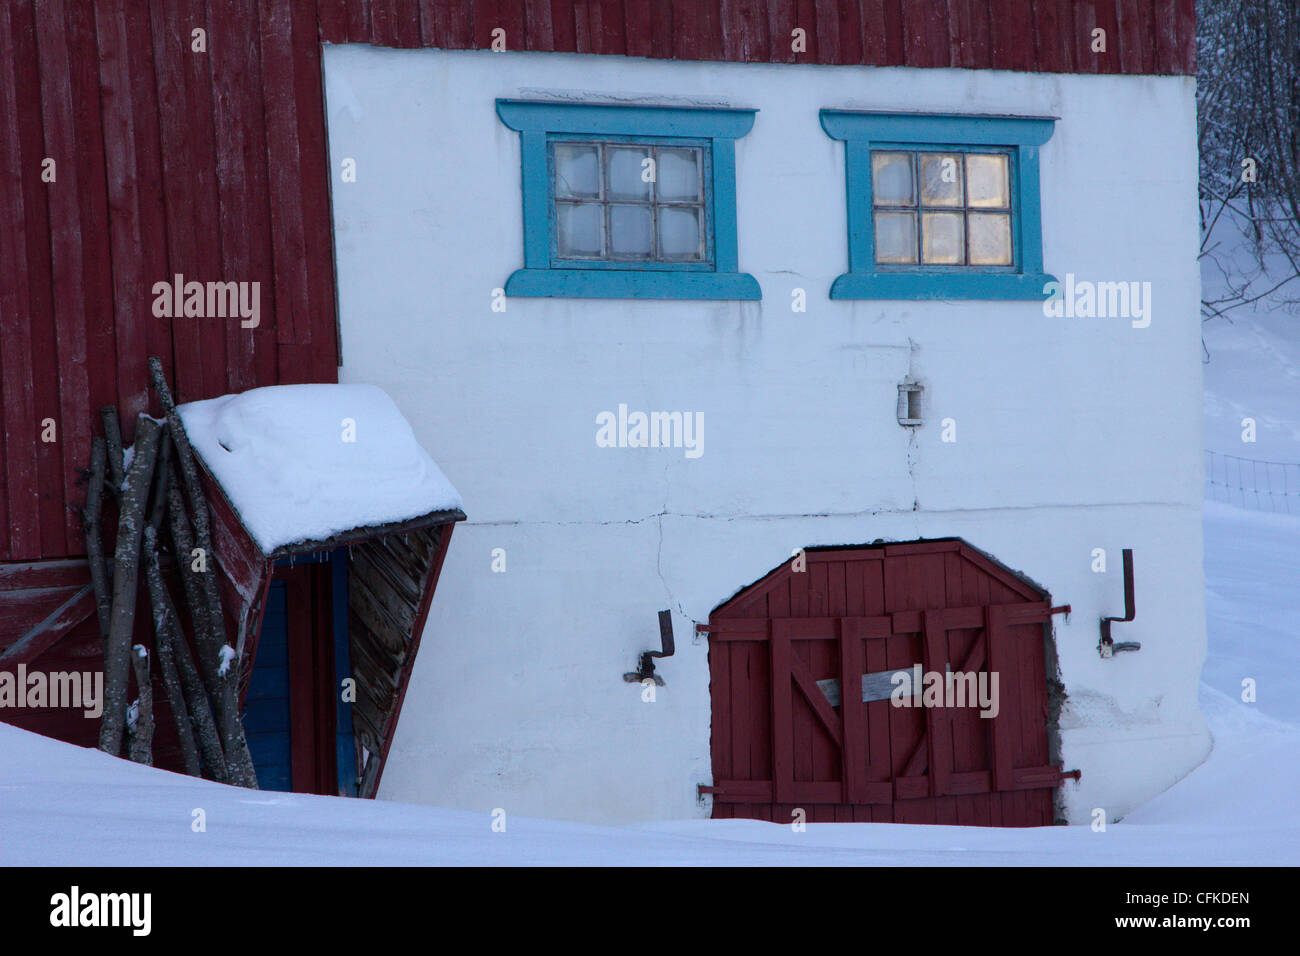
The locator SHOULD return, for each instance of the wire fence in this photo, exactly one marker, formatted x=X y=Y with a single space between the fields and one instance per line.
x=1252 y=483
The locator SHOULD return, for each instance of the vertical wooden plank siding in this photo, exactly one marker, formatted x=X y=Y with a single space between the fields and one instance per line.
x=1000 y=731
x=856 y=749
x=125 y=240
x=1107 y=18
x=537 y=21
x=333 y=16
x=1184 y=60
x=782 y=715
x=959 y=30
x=209 y=378
x=358 y=23
x=1053 y=33
x=302 y=632
x=938 y=728
x=1168 y=44
x=170 y=26
x=67 y=266
x=45 y=367
x=246 y=206
x=283 y=162
x=141 y=75
x=90 y=236
x=1129 y=40
x=16 y=358
x=318 y=343
x=383 y=22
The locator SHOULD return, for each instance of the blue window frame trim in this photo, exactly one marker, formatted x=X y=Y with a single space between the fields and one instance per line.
x=539 y=123
x=1021 y=136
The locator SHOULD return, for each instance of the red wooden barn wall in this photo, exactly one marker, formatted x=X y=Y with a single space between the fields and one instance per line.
x=1049 y=36
x=213 y=165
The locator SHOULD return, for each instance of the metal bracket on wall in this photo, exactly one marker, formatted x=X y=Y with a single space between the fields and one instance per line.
x=646 y=670
x=1108 y=647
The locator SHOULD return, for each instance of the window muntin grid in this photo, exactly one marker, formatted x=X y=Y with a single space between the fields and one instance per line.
x=605 y=212
x=922 y=217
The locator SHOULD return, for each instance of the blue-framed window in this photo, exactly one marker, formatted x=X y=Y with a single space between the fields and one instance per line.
x=626 y=202
x=941 y=206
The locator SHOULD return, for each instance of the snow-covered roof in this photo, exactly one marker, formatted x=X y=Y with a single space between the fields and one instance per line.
x=305 y=462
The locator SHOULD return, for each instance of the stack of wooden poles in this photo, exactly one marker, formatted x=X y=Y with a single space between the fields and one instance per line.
x=157 y=481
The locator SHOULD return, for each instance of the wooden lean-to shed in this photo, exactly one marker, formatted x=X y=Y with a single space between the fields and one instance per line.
x=329 y=527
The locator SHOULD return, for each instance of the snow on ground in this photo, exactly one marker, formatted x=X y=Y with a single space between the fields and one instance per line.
x=1252 y=604
x=1253 y=371
x=303 y=462
x=64 y=805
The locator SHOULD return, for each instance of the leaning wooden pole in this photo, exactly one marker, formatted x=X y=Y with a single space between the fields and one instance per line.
x=126 y=566
x=168 y=635
x=187 y=560
x=141 y=748
x=161 y=481
x=113 y=445
x=205 y=727
x=217 y=664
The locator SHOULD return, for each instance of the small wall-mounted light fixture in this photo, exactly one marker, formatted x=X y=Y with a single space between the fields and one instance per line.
x=909 y=403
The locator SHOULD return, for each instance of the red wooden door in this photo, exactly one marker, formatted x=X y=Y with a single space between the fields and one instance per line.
x=802 y=670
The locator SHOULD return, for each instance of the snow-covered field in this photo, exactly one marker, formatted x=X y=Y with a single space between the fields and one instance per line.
x=64 y=805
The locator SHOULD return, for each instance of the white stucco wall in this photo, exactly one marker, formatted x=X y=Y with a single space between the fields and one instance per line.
x=1072 y=434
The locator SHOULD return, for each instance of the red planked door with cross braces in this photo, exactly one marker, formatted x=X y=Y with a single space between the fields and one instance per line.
x=787 y=735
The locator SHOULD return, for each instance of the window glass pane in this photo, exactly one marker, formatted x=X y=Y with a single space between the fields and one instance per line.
x=679 y=232
x=940 y=179
x=941 y=237
x=577 y=171
x=625 y=173
x=986 y=181
x=990 y=239
x=631 y=234
x=608 y=208
x=895 y=237
x=678 y=174
x=891 y=179
x=578 y=229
